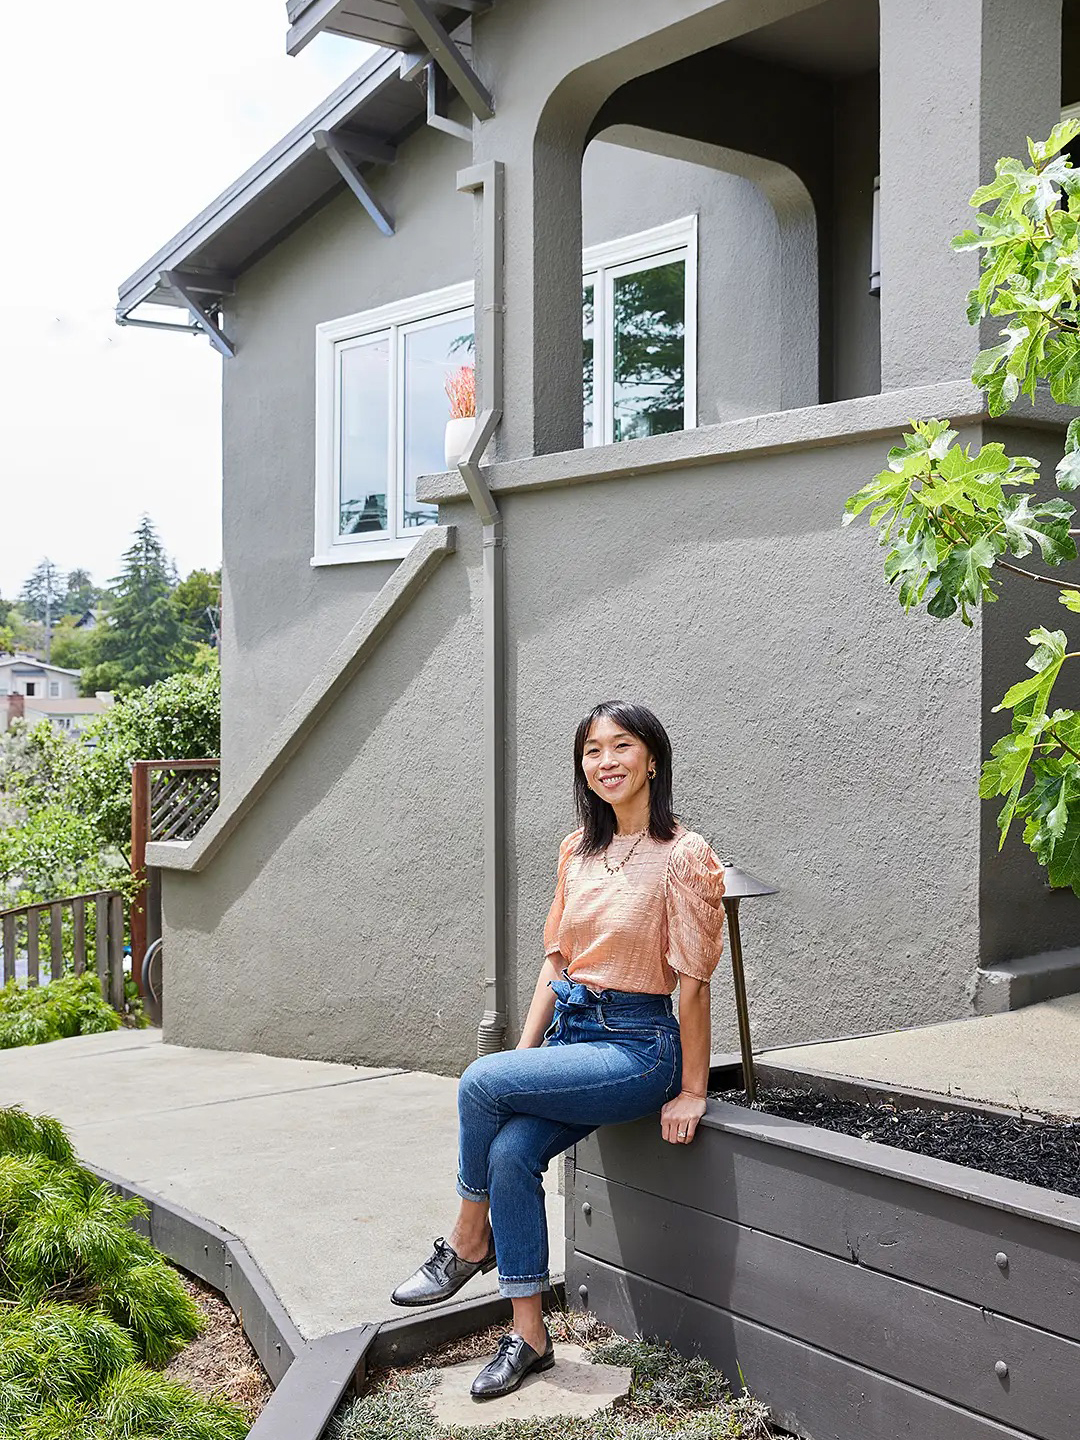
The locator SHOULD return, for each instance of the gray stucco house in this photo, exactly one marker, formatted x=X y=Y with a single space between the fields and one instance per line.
x=698 y=323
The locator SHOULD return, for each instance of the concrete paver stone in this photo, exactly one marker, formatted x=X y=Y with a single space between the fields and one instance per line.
x=573 y=1386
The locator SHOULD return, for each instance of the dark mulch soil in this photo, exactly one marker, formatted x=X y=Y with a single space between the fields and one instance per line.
x=1045 y=1153
x=220 y=1361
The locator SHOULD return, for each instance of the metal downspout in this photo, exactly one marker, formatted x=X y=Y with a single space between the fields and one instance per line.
x=489 y=180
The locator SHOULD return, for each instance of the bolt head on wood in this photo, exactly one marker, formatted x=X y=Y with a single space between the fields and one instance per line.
x=1001 y=1260
x=1001 y=1369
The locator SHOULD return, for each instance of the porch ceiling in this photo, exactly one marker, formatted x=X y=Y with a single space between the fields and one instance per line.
x=375 y=108
x=837 y=39
x=380 y=22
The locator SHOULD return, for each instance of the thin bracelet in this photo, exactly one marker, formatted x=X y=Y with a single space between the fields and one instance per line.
x=695 y=1094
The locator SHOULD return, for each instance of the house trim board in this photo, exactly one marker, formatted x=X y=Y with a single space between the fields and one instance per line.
x=340 y=669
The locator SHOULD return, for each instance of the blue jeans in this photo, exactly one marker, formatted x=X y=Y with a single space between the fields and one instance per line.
x=608 y=1056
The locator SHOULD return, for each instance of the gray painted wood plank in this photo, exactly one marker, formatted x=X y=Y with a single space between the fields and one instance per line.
x=78 y=922
x=56 y=942
x=811 y=1392
x=313 y=1385
x=8 y=932
x=924 y=1235
x=33 y=942
x=944 y=1346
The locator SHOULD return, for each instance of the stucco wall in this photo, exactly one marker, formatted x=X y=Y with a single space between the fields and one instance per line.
x=822 y=740
x=281 y=616
x=739 y=350
x=342 y=919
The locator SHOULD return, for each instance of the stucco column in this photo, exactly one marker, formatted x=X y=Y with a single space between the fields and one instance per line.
x=962 y=83
x=542 y=406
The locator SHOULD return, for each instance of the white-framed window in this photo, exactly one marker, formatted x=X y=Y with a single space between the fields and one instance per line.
x=639 y=332
x=54 y=689
x=380 y=415
x=31 y=688
x=381 y=406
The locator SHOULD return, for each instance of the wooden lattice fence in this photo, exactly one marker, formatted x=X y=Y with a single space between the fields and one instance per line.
x=170 y=800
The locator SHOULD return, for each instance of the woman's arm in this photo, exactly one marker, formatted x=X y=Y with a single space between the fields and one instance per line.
x=695 y=1029
x=542 y=1008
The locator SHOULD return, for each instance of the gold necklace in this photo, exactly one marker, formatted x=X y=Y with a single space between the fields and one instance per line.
x=614 y=869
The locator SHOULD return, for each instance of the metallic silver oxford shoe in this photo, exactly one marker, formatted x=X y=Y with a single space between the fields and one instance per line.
x=514 y=1359
x=440 y=1276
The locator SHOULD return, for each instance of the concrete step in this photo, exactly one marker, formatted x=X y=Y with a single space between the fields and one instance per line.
x=1012 y=984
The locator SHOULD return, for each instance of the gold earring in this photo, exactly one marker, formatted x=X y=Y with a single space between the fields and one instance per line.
x=652 y=774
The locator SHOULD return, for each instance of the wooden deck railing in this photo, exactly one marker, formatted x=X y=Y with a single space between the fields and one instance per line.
x=68 y=936
x=170 y=800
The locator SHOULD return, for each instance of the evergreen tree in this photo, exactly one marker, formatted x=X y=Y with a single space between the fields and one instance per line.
x=136 y=644
x=40 y=596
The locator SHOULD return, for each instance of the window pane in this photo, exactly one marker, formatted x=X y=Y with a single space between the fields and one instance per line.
x=649 y=351
x=588 y=320
x=431 y=354
x=364 y=405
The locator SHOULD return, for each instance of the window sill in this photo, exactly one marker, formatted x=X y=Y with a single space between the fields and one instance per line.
x=373 y=550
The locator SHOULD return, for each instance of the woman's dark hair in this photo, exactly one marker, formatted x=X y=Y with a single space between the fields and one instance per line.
x=596 y=815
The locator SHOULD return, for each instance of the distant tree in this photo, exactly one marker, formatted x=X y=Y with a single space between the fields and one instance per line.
x=40 y=597
x=71 y=649
x=80 y=594
x=197 y=603
x=138 y=640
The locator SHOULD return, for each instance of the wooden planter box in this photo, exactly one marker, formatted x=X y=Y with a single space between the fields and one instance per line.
x=866 y=1293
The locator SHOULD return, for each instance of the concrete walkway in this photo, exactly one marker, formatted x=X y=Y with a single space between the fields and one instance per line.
x=336 y=1177
x=1026 y=1059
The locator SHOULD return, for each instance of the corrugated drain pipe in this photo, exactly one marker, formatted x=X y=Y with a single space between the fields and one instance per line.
x=489 y=180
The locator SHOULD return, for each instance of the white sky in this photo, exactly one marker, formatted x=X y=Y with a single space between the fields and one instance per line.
x=120 y=121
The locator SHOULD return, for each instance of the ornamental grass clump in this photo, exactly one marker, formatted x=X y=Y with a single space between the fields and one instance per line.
x=87 y=1306
x=73 y=1005
x=461 y=392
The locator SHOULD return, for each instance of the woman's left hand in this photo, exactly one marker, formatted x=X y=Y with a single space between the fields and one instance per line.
x=679 y=1118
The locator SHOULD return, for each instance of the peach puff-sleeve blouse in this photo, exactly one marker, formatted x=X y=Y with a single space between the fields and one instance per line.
x=658 y=917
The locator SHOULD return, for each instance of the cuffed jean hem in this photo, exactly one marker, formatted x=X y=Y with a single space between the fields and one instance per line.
x=519 y=1286
x=468 y=1193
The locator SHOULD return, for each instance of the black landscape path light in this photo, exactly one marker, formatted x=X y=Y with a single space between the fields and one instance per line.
x=739 y=885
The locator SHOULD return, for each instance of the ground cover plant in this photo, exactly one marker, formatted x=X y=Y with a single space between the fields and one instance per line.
x=89 y=1311
x=73 y=1005
x=671 y=1396
x=1041 y=1151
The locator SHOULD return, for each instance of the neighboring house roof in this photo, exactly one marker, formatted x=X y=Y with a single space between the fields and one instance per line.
x=283 y=188
x=29 y=664
x=83 y=705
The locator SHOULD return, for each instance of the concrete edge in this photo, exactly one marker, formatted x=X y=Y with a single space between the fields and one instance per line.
x=222 y=1261
x=310 y=1377
x=348 y=659
x=810 y=427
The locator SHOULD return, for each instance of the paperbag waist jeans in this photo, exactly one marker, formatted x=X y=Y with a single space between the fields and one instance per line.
x=607 y=1056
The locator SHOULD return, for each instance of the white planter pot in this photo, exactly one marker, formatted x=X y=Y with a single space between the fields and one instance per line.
x=458 y=434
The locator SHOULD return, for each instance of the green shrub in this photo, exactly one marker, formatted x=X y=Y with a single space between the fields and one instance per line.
x=73 y=1005
x=87 y=1305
